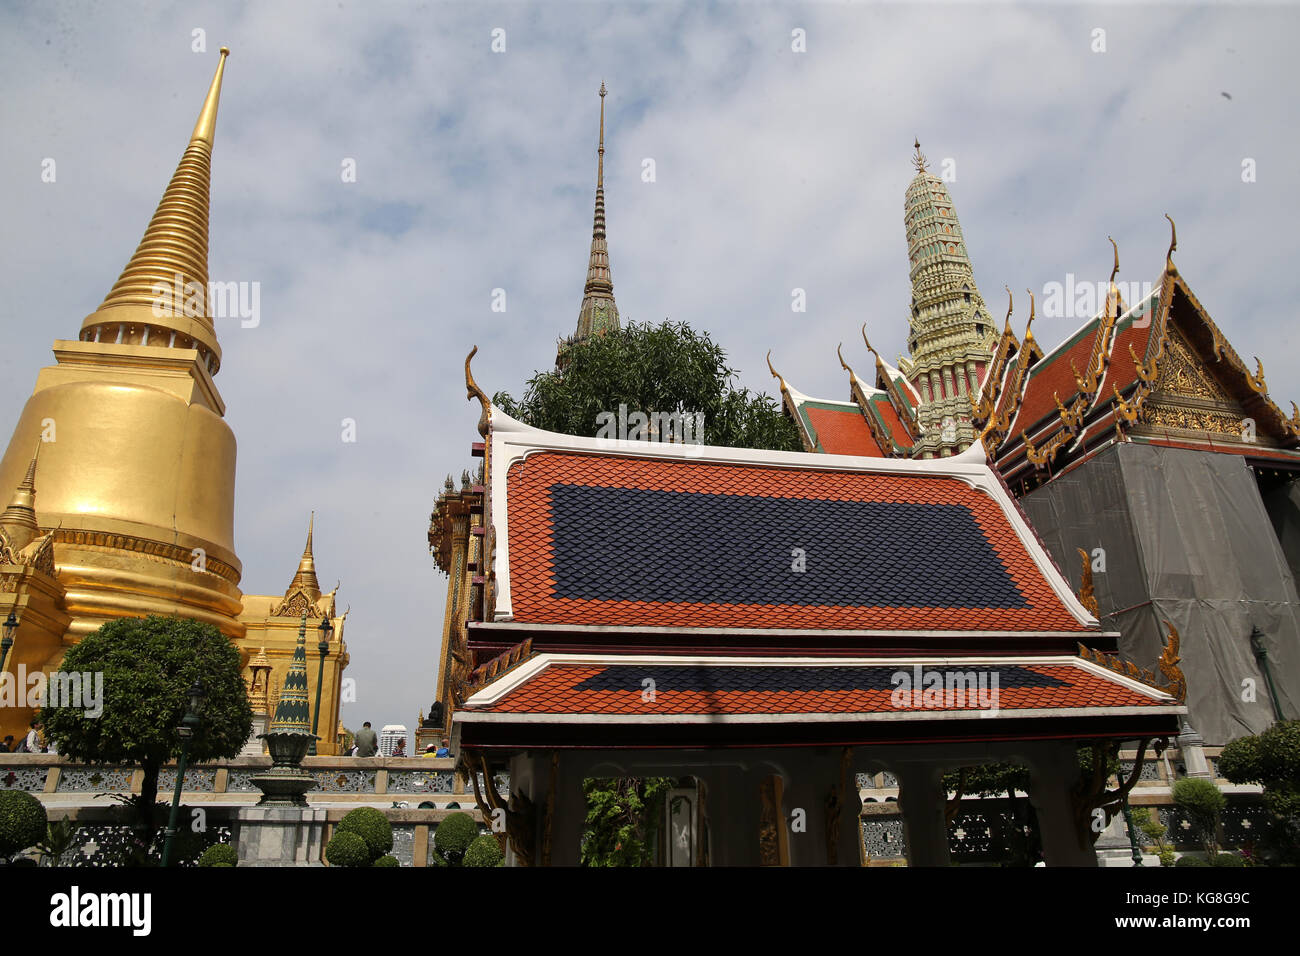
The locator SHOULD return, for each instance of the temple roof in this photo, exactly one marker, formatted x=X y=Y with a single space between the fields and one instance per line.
x=596 y=532
x=698 y=689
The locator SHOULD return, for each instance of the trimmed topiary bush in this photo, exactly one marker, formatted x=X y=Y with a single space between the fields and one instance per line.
x=219 y=854
x=1190 y=861
x=22 y=822
x=372 y=826
x=347 y=849
x=454 y=836
x=1228 y=859
x=484 y=851
x=387 y=860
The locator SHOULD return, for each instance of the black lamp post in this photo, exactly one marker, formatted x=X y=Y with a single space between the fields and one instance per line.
x=10 y=629
x=326 y=629
x=1261 y=655
x=185 y=731
x=1134 y=849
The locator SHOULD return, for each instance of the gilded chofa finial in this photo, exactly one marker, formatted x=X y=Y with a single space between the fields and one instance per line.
x=1115 y=269
x=775 y=374
x=473 y=391
x=843 y=364
x=919 y=159
x=1011 y=303
x=868 y=342
x=1031 y=310
x=1170 y=268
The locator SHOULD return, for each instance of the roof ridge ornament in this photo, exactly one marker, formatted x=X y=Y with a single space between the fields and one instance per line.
x=919 y=159
x=775 y=374
x=1170 y=268
x=473 y=391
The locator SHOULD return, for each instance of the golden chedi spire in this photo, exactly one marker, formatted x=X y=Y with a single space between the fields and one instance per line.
x=598 y=310
x=19 y=519
x=161 y=298
x=305 y=578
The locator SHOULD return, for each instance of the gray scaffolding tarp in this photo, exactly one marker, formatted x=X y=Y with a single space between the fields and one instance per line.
x=1185 y=537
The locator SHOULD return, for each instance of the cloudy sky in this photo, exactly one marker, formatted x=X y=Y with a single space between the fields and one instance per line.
x=773 y=170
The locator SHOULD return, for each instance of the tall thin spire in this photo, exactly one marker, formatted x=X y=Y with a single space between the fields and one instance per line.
x=305 y=578
x=19 y=518
x=598 y=310
x=172 y=256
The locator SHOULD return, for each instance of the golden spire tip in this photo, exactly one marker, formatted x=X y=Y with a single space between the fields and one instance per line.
x=205 y=128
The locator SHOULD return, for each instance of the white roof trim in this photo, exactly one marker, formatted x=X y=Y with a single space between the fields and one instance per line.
x=874 y=716
x=513 y=679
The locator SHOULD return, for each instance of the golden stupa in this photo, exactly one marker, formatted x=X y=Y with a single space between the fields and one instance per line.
x=136 y=476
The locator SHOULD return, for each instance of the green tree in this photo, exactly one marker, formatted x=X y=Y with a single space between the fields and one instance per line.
x=668 y=368
x=1272 y=759
x=623 y=819
x=148 y=665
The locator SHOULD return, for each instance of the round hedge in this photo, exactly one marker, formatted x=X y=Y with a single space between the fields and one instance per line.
x=387 y=860
x=22 y=821
x=454 y=835
x=372 y=826
x=1190 y=861
x=219 y=854
x=347 y=849
x=484 y=851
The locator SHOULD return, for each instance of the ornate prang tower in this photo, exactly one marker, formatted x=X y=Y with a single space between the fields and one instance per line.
x=137 y=464
x=951 y=336
x=598 y=311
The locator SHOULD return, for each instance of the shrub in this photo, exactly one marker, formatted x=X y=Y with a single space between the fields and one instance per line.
x=22 y=822
x=219 y=854
x=454 y=836
x=347 y=849
x=387 y=860
x=1190 y=861
x=1228 y=859
x=484 y=851
x=372 y=826
x=1201 y=800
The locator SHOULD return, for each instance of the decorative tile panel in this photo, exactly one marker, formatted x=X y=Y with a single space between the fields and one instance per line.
x=31 y=779
x=404 y=845
x=94 y=780
x=345 y=781
x=418 y=781
x=883 y=837
x=197 y=780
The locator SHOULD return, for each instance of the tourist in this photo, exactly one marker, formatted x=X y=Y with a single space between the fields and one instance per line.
x=35 y=742
x=367 y=744
x=35 y=739
x=431 y=750
x=400 y=749
x=8 y=745
x=445 y=749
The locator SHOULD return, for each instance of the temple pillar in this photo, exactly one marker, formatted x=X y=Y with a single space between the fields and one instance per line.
x=1053 y=772
x=570 y=817
x=922 y=799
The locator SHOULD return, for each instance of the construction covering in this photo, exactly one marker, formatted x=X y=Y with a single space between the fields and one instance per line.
x=1184 y=537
